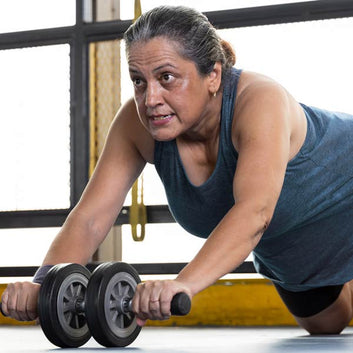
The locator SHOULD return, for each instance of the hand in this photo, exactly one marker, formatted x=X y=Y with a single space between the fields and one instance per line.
x=152 y=299
x=19 y=301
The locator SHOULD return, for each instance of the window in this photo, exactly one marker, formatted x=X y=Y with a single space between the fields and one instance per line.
x=35 y=128
x=308 y=58
x=26 y=246
x=23 y=15
x=35 y=120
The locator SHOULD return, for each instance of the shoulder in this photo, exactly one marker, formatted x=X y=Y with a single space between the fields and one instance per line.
x=127 y=126
x=256 y=90
x=259 y=102
x=262 y=99
x=263 y=105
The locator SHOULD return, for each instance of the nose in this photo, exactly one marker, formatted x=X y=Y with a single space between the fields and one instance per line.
x=153 y=95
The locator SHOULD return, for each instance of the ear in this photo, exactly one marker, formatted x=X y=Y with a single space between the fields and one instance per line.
x=215 y=78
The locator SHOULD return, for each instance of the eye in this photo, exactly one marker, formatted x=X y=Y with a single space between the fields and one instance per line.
x=167 y=77
x=137 y=82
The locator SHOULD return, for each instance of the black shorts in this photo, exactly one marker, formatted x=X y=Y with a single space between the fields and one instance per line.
x=309 y=302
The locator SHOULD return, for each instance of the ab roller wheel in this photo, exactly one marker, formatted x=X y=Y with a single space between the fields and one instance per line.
x=61 y=305
x=108 y=311
x=73 y=305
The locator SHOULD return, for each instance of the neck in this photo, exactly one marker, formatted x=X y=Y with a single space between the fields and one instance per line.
x=206 y=129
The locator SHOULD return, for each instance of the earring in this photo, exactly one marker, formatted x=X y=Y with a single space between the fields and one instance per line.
x=215 y=94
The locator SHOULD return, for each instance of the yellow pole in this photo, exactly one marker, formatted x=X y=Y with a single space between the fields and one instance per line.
x=138 y=214
x=93 y=109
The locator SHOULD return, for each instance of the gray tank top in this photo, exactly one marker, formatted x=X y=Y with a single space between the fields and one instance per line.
x=309 y=242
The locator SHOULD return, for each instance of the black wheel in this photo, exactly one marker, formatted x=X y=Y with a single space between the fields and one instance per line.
x=110 y=289
x=60 y=305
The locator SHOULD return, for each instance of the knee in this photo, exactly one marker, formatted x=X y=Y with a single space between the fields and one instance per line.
x=332 y=320
x=324 y=325
x=324 y=329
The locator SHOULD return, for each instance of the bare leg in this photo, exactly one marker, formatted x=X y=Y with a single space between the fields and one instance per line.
x=333 y=319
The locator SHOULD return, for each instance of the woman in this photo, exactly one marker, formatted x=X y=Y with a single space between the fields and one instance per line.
x=243 y=164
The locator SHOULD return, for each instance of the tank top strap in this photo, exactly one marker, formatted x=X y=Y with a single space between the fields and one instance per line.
x=228 y=104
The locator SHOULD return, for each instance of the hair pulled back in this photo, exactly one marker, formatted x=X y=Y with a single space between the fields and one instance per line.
x=197 y=38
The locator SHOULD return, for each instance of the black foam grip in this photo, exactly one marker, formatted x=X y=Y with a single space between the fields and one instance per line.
x=181 y=304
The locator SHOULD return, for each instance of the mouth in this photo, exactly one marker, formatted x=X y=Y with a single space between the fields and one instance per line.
x=161 y=117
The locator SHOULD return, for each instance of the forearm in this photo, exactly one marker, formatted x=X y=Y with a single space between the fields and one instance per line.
x=226 y=248
x=76 y=242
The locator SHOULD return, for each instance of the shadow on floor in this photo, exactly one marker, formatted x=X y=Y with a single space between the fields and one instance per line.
x=317 y=343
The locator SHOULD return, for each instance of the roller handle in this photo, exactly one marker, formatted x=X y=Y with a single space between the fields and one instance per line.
x=180 y=305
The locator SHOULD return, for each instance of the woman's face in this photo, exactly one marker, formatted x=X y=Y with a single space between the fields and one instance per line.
x=171 y=97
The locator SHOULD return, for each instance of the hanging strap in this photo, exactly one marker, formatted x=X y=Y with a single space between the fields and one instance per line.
x=138 y=214
x=138 y=11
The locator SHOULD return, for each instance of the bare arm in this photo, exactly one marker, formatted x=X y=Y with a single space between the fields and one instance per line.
x=119 y=165
x=122 y=160
x=262 y=134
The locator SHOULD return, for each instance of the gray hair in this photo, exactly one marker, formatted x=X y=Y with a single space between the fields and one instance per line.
x=197 y=38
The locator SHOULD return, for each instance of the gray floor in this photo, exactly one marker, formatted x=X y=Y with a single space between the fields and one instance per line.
x=190 y=340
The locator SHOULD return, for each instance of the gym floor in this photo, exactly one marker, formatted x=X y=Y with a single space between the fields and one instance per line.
x=15 y=339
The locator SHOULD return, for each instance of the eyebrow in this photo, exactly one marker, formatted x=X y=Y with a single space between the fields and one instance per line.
x=163 y=66
x=155 y=69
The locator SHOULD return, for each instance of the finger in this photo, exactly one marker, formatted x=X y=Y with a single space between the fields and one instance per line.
x=165 y=307
x=11 y=301
x=32 y=313
x=140 y=318
x=136 y=299
x=144 y=300
x=156 y=290
x=12 y=304
x=155 y=301
x=22 y=303
x=21 y=307
x=154 y=306
x=31 y=306
x=155 y=311
x=165 y=303
x=27 y=313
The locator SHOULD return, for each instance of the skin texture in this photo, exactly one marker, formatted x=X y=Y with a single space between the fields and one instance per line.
x=172 y=101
